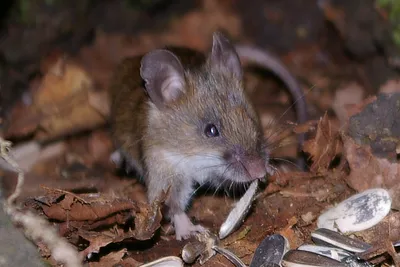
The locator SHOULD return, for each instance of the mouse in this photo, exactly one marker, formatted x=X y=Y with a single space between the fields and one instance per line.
x=181 y=118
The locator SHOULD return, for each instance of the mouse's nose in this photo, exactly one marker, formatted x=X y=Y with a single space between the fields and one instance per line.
x=256 y=168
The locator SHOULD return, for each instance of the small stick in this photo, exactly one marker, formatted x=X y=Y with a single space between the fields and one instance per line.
x=35 y=227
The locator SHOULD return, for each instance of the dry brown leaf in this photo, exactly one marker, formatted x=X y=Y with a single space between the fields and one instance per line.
x=368 y=171
x=129 y=262
x=324 y=147
x=97 y=240
x=111 y=259
x=84 y=214
x=395 y=195
x=63 y=79
x=99 y=100
x=61 y=105
x=144 y=229
x=387 y=229
x=290 y=234
x=147 y=221
x=84 y=207
x=193 y=30
x=107 y=51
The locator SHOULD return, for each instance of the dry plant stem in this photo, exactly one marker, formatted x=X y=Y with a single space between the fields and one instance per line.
x=4 y=149
x=35 y=227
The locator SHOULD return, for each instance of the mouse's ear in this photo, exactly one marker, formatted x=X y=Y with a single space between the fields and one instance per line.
x=224 y=56
x=163 y=75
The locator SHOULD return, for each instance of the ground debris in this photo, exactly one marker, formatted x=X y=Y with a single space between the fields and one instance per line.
x=103 y=212
x=324 y=147
x=85 y=215
x=65 y=102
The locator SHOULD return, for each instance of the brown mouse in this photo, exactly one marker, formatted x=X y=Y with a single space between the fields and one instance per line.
x=193 y=123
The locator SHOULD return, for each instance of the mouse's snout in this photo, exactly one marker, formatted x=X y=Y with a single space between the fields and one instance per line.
x=256 y=167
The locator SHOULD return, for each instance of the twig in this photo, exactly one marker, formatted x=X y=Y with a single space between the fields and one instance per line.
x=4 y=150
x=35 y=227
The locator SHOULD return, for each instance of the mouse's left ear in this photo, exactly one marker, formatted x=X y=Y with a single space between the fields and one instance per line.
x=224 y=56
x=164 y=76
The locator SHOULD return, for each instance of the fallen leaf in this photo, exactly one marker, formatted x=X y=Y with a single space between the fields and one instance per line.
x=130 y=262
x=111 y=259
x=85 y=215
x=291 y=234
x=395 y=195
x=147 y=221
x=97 y=240
x=85 y=207
x=324 y=147
x=387 y=229
x=368 y=171
x=61 y=105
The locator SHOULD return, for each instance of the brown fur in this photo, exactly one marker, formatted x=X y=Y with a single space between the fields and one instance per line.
x=159 y=140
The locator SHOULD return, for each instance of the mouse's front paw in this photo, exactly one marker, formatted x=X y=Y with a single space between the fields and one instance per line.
x=121 y=159
x=182 y=234
x=184 y=228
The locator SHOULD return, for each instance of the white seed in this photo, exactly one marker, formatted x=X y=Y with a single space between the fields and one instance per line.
x=238 y=213
x=358 y=212
x=323 y=236
x=333 y=253
x=170 y=261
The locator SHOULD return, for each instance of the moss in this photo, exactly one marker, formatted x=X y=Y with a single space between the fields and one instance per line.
x=23 y=9
x=393 y=7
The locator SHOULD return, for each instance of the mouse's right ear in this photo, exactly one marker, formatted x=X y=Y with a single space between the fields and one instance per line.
x=163 y=75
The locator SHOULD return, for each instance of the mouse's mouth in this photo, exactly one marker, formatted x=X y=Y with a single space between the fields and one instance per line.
x=248 y=170
x=245 y=165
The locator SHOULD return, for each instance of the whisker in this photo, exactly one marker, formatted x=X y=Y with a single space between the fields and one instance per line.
x=275 y=147
x=188 y=155
x=230 y=187
x=221 y=177
x=296 y=100
x=216 y=190
x=286 y=161
x=197 y=189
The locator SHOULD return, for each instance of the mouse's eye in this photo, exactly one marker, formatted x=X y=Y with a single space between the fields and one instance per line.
x=211 y=130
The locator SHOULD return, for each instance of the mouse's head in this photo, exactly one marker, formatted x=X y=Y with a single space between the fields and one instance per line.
x=201 y=119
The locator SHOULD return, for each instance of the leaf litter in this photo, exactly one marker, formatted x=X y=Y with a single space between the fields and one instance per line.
x=70 y=181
